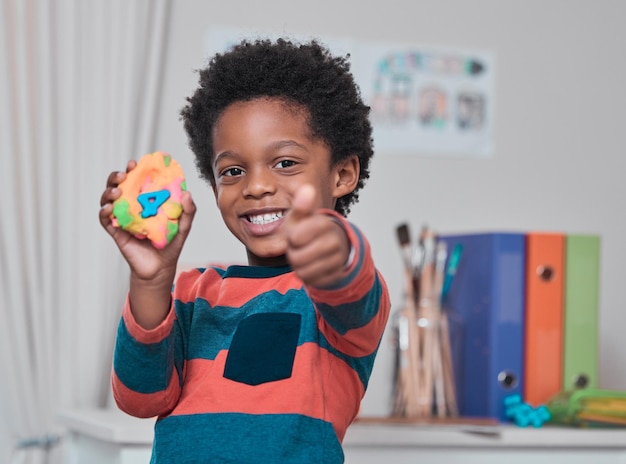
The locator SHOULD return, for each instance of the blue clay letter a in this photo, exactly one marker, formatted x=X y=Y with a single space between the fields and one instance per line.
x=151 y=201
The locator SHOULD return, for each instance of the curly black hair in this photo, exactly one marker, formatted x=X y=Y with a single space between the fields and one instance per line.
x=306 y=75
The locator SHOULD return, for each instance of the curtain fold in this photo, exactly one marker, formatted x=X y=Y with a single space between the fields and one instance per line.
x=79 y=92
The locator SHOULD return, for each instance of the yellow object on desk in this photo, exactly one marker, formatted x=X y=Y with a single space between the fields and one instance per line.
x=589 y=407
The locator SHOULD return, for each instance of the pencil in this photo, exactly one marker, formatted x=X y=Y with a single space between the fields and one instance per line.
x=438 y=367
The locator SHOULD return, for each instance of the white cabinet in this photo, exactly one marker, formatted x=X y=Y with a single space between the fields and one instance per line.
x=105 y=436
x=447 y=444
x=111 y=437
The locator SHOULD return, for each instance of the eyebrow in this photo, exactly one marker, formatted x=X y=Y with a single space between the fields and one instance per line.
x=274 y=146
x=287 y=143
x=224 y=154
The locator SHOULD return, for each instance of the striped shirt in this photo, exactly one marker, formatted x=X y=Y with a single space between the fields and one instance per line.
x=251 y=366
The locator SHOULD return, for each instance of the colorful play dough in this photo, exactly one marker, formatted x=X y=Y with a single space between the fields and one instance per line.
x=150 y=204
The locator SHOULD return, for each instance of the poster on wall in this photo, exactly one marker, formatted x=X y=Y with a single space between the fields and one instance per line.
x=424 y=100
x=427 y=101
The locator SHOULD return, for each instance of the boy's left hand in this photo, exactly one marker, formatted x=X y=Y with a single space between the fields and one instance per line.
x=317 y=246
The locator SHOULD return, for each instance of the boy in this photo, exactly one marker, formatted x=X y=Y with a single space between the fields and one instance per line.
x=265 y=363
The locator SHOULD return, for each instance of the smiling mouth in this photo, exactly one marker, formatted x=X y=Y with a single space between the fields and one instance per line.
x=268 y=218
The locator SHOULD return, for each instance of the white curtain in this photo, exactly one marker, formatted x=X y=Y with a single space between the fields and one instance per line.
x=79 y=96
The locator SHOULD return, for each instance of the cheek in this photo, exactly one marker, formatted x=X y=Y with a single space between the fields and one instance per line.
x=218 y=197
x=221 y=193
x=223 y=201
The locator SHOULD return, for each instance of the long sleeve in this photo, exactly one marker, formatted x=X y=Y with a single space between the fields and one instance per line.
x=354 y=310
x=147 y=366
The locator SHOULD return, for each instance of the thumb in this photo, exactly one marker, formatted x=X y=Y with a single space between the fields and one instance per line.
x=303 y=204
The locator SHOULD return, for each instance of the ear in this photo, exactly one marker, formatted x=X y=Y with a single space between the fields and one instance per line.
x=346 y=176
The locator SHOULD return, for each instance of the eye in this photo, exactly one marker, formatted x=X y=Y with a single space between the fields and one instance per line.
x=287 y=163
x=232 y=172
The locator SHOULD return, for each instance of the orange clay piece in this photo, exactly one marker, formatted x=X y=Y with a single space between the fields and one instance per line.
x=150 y=204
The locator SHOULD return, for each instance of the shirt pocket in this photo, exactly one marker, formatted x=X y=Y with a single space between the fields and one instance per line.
x=263 y=348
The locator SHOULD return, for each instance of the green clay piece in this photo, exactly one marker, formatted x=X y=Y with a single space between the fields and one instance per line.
x=172 y=230
x=167 y=159
x=183 y=185
x=121 y=213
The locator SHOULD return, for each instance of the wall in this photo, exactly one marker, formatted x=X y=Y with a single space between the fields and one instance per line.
x=560 y=100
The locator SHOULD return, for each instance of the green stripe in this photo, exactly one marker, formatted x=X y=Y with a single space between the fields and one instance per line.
x=245 y=438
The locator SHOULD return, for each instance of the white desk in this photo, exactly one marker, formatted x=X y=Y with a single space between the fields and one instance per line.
x=105 y=436
x=111 y=437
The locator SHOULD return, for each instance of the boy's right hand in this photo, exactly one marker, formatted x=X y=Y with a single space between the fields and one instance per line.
x=146 y=262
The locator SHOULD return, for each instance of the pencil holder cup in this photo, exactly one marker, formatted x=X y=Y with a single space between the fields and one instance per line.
x=424 y=375
x=455 y=338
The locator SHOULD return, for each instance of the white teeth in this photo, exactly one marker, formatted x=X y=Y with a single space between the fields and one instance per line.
x=265 y=218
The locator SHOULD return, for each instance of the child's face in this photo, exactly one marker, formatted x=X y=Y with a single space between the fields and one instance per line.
x=263 y=154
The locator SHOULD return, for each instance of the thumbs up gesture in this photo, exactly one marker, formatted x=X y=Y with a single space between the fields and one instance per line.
x=317 y=246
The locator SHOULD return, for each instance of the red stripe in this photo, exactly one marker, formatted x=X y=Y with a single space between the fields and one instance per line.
x=147 y=336
x=321 y=386
x=233 y=291
x=145 y=404
x=357 y=289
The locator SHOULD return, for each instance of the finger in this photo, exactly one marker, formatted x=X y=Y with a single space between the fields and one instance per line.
x=107 y=200
x=117 y=177
x=189 y=211
x=320 y=238
x=320 y=272
x=114 y=179
x=105 y=215
x=184 y=225
x=303 y=257
x=303 y=204
x=110 y=195
x=132 y=164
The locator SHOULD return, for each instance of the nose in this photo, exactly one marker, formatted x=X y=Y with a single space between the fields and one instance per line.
x=259 y=183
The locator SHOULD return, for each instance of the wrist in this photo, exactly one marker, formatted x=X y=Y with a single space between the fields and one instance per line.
x=162 y=279
x=150 y=299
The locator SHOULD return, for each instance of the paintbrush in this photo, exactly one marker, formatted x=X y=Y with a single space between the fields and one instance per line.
x=427 y=268
x=441 y=254
x=425 y=320
x=403 y=234
x=407 y=378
